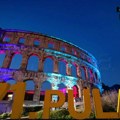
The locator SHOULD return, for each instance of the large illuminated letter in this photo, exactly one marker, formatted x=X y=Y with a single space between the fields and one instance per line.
x=19 y=93
x=118 y=106
x=48 y=103
x=33 y=115
x=3 y=89
x=98 y=107
x=87 y=105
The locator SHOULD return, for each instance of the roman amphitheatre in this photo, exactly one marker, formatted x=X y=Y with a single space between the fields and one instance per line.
x=48 y=62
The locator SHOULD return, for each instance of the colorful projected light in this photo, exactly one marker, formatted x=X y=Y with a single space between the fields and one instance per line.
x=81 y=70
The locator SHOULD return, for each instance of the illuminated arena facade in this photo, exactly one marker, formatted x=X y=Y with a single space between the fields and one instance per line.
x=30 y=44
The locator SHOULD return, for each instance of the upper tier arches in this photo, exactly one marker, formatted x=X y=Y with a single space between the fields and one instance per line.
x=46 y=42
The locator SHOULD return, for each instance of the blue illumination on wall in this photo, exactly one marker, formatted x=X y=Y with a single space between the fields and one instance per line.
x=72 y=58
x=62 y=67
x=99 y=86
x=75 y=46
x=56 y=79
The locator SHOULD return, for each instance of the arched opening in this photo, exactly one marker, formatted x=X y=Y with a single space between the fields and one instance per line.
x=62 y=88
x=16 y=61
x=33 y=63
x=74 y=70
x=89 y=75
x=75 y=91
x=50 y=45
x=82 y=73
x=11 y=81
x=9 y=96
x=21 y=40
x=2 y=57
x=62 y=67
x=6 y=39
x=30 y=87
x=48 y=65
x=63 y=48
x=46 y=85
x=82 y=56
x=73 y=51
x=36 y=42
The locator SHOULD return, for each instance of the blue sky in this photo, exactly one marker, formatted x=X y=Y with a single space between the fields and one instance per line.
x=93 y=25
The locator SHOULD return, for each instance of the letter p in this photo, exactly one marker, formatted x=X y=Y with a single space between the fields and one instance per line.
x=49 y=104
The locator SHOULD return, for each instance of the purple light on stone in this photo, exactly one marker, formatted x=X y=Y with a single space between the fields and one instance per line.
x=6 y=70
x=6 y=39
x=63 y=90
x=17 y=53
x=10 y=47
x=2 y=51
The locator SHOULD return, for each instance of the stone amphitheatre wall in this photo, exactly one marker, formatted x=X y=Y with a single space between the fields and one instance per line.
x=28 y=44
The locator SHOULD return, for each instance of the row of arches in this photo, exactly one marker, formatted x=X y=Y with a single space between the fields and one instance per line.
x=50 y=44
x=30 y=85
x=30 y=89
x=33 y=64
x=46 y=85
x=37 y=42
x=48 y=66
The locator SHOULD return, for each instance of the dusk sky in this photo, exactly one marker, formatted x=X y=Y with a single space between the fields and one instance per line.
x=93 y=25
